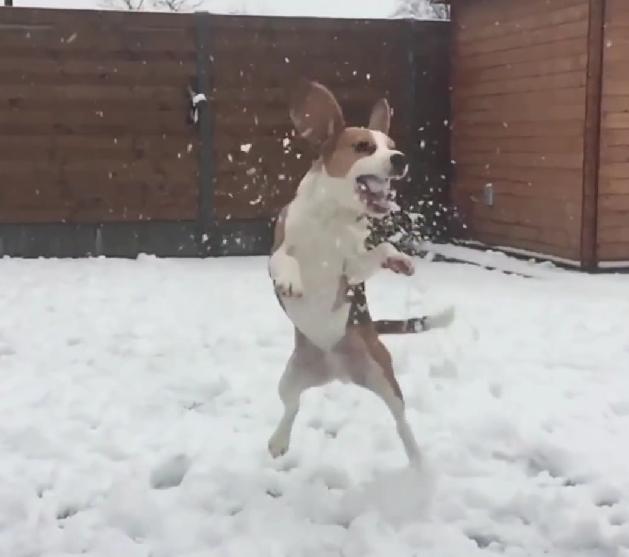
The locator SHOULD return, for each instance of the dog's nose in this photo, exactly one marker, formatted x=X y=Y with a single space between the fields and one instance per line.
x=398 y=163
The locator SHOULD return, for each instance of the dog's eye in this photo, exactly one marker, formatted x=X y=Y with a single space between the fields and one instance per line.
x=364 y=147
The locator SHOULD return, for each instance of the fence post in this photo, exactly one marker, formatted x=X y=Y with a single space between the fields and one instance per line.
x=411 y=108
x=429 y=115
x=207 y=237
x=592 y=135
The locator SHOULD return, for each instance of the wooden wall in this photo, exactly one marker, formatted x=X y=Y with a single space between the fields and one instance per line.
x=258 y=163
x=93 y=117
x=519 y=104
x=97 y=153
x=613 y=203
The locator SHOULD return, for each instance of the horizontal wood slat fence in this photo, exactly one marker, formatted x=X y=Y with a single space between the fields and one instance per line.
x=99 y=153
x=540 y=135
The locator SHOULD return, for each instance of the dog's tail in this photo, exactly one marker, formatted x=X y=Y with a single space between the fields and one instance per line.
x=439 y=320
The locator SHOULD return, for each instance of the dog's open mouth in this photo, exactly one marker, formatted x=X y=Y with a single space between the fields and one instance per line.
x=375 y=193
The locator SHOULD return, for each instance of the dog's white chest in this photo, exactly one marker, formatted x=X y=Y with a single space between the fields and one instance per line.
x=320 y=313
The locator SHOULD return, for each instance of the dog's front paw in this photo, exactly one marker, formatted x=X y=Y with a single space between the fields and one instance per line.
x=288 y=283
x=399 y=263
x=286 y=276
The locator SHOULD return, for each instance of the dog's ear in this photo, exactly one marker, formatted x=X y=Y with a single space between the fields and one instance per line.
x=315 y=113
x=380 y=119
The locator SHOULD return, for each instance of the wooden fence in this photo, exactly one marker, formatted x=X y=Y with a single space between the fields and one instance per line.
x=98 y=154
x=540 y=137
x=519 y=108
x=612 y=193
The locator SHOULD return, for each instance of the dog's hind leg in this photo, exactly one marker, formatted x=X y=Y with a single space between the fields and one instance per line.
x=305 y=369
x=370 y=366
x=386 y=387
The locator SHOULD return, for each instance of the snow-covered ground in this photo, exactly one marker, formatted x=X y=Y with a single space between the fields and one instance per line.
x=136 y=399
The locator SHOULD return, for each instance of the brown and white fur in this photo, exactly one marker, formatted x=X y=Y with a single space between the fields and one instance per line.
x=319 y=262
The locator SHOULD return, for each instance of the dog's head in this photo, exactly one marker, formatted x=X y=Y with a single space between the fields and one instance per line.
x=363 y=161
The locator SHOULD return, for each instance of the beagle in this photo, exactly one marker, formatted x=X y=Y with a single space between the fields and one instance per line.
x=319 y=261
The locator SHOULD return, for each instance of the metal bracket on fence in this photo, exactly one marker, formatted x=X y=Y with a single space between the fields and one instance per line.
x=195 y=100
x=207 y=236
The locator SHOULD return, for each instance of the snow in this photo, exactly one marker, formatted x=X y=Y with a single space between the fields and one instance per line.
x=138 y=397
x=476 y=252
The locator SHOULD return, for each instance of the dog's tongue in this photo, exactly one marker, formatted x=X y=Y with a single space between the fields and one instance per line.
x=377 y=192
x=388 y=205
x=375 y=184
x=380 y=200
x=381 y=197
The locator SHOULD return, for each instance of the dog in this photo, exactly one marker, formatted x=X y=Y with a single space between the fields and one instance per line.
x=319 y=262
